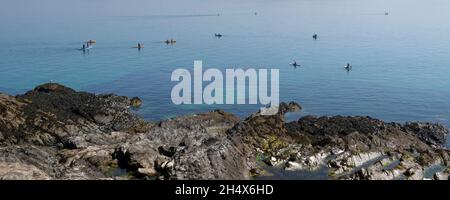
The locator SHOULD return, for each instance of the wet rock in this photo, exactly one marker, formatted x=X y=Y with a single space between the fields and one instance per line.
x=293 y=166
x=273 y=161
x=337 y=151
x=135 y=102
x=256 y=172
x=441 y=175
x=289 y=107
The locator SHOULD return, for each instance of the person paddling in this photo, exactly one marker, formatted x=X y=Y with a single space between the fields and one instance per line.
x=348 y=67
x=294 y=63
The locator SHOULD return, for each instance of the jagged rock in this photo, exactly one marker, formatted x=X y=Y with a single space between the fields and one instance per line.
x=441 y=176
x=433 y=134
x=86 y=136
x=265 y=132
x=20 y=171
x=54 y=132
x=51 y=114
x=184 y=148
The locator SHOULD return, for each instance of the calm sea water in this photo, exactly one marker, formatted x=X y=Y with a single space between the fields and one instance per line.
x=401 y=62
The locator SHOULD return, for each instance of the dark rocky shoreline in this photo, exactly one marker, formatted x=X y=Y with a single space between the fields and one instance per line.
x=54 y=132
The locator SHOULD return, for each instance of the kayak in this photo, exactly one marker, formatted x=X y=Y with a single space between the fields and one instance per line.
x=87 y=48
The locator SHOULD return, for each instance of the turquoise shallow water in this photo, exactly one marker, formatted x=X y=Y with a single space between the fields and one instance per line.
x=400 y=61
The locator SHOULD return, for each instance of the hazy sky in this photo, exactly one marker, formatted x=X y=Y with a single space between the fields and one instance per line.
x=26 y=8
x=12 y=9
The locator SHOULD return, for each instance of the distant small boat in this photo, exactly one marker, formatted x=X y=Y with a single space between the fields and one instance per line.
x=348 y=67
x=171 y=41
x=139 y=46
x=295 y=64
x=218 y=35
x=91 y=42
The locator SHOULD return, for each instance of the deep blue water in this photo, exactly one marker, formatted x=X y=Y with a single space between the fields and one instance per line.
x=401 y=62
